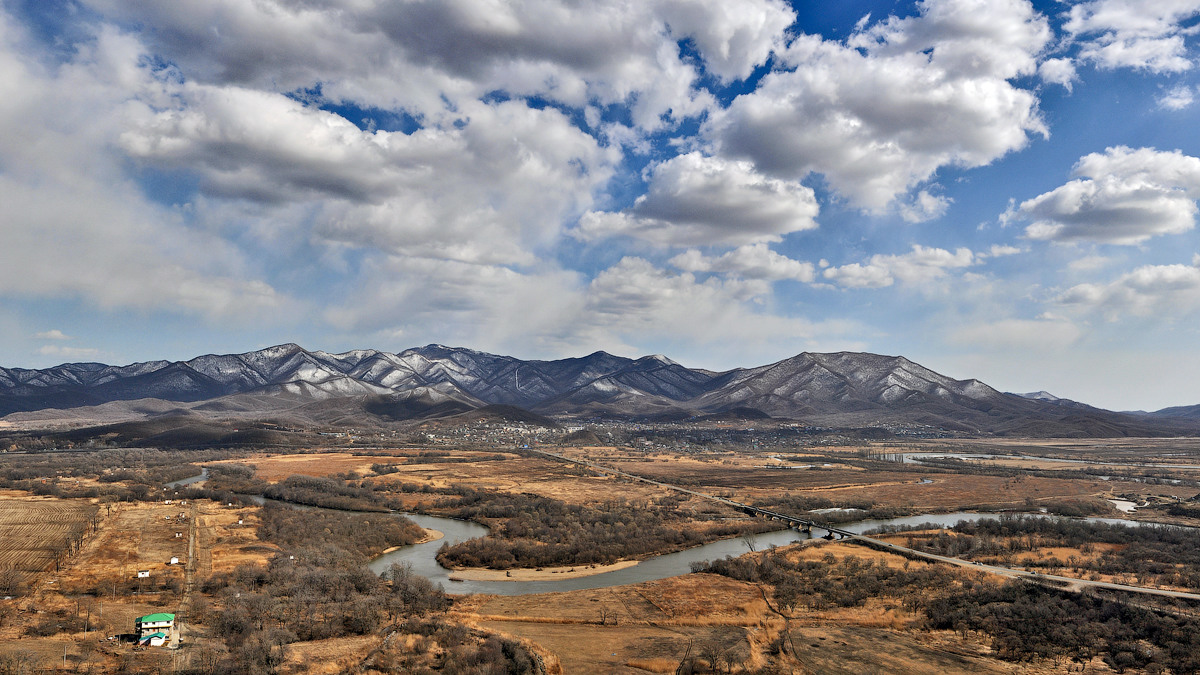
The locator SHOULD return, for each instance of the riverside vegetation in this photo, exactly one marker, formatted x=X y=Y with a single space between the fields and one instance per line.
x=295 y=582
x=1022 y=621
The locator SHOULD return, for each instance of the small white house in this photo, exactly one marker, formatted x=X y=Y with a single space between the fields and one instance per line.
x=156 y=639
x=174 y=560
x=143 y=574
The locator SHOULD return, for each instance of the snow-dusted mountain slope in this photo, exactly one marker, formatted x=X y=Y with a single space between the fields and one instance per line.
x=845 y=387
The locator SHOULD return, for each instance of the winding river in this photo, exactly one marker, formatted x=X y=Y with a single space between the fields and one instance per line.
x=203 y=475
x=423 y=557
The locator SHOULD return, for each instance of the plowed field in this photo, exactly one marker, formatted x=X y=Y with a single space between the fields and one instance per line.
x=33 y=529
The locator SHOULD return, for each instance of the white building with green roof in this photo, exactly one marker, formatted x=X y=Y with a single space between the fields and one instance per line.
x=154 y=623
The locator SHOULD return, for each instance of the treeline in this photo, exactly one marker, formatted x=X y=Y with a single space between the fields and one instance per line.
x=322 y=589
x=1146 y=475
x=852 y=509
x=1153 y=554
x=358 y=533
x=817 y=585
x=330 y=493
x=135 y=474
x=308 y=594
x=140 y=464
x=343 y=492
x=1026 y=621
x=458 y=649
x=534 y=531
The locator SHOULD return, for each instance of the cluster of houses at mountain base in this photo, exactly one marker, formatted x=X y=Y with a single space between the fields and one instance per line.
x=154 y=630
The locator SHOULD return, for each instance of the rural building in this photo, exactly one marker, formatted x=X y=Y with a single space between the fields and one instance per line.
x=147 y=626
x=155 y=639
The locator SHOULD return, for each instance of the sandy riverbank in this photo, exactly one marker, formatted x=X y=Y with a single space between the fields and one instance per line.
x=542 y=574
x=430 y=535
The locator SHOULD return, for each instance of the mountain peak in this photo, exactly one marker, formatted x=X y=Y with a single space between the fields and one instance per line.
x=848 y=389
x=285 y=349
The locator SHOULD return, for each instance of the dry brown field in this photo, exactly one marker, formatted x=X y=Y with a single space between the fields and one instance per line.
x=139 y=536
x=740 y=476
x=274 y=468
x=135 y=536
x=327 y=657
x=533 y=475
x=746 y=478
x=33 y=529
x=131 y=537
x=651 y=627
x=504 y=472
x=1149 y=451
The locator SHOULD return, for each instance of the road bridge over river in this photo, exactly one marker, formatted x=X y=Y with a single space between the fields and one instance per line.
x=1071 y=584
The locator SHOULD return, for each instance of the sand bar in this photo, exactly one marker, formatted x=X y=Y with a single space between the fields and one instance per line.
x=430 y=535
x=543 y=574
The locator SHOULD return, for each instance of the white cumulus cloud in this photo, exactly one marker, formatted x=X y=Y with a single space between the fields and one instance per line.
x=921 y=265
x=1121 y=196
x=491 y=187
x=694 y=200
x=882 y=112
x=924 y=206
x=430 y=56
x=1167 y=291
x=755 y=261
x=1059 y=71
x=1144 y=34
x=629 y=304
x=1177 y=98
x=73 y=223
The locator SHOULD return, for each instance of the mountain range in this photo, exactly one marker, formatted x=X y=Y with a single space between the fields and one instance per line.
x=839 y=389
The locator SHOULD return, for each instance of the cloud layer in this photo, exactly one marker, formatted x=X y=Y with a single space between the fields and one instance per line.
x=545 y=177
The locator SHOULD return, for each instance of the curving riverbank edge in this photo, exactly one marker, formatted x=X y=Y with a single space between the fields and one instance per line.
x=539 y=574
x=430 y=535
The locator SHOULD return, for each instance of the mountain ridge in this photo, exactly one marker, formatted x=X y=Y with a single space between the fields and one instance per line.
x=834 y=389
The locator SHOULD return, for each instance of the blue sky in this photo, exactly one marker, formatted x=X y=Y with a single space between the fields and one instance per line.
x=993 y=188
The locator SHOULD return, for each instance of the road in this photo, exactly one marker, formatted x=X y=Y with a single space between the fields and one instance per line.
x=189 y=580
x=1064 y=583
